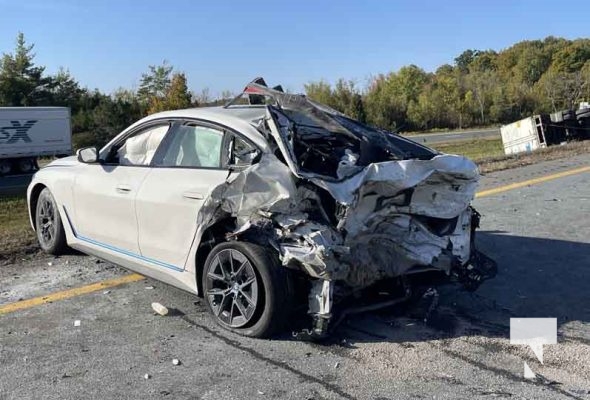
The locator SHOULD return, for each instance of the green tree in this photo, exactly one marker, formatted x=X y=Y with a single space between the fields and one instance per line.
x=22 y=83
x=563 y=89
x=66 y=91
x=321 y=92
x=177 y=96
x=155 y=82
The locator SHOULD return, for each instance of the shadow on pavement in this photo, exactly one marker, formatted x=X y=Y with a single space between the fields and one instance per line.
x=537 y=277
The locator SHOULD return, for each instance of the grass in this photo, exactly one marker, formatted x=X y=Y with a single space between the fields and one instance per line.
x=489 y=155
x=498 y=163
x=16 y=235
x=445 y=130
x=473 y=149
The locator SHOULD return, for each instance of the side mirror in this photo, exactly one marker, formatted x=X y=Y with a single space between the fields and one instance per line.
x=87 y=155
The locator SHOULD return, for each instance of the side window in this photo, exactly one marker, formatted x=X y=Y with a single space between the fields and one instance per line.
x=241 y=153
x=194 y=146
x=140 y=148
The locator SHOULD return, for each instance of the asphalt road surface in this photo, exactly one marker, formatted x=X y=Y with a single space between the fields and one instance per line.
x=446 y=137
x=539 y=234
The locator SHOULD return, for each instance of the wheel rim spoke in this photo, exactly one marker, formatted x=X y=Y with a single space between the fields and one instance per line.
x=214 y=276
x=248 y=282
x=243 y=310
x=247 y=298
x=241 y=268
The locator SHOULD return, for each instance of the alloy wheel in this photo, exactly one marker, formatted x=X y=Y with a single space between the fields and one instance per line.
x=46 y=224
x=232 y=288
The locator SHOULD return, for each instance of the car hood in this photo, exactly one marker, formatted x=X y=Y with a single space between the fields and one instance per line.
x=64 y=162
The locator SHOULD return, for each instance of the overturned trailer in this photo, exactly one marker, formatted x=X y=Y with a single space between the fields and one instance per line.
x=346 y=206
x=543 y=130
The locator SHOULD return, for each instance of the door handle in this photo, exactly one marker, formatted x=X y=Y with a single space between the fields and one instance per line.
x=123 y=188
x=193 y=195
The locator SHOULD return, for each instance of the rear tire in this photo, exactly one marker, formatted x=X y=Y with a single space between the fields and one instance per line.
x=50 y=231
x=246 y=289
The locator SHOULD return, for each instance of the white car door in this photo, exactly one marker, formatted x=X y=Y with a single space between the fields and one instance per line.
x=193 y=162
x=104 y=193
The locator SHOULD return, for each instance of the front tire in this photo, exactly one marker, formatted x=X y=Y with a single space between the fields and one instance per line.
x=50 y=231
x=246 y=289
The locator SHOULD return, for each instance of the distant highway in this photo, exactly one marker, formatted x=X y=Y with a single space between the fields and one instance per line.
x=445 y=137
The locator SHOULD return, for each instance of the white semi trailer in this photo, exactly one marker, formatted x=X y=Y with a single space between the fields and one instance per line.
x=27 y=133
x=525 y=135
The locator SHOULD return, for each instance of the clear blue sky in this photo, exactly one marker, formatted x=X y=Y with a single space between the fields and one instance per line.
x=224 y=44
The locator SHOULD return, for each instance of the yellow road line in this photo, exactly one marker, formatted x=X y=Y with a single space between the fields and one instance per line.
x=534 y=181
x=66 y=294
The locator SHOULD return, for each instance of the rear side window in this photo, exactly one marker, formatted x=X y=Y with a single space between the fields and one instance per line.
x=193 y=146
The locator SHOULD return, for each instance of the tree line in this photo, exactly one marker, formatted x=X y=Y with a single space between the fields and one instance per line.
x=481 y=87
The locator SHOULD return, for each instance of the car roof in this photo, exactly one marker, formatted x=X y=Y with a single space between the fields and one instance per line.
x=241 y=118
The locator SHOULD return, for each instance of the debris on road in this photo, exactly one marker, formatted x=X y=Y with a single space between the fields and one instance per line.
x=50 y=263
x=149 y=287
x=176 y=361
x=106 y=292
x=77 y=322
x=433 y=293
x=147 y=376
x=160 y=309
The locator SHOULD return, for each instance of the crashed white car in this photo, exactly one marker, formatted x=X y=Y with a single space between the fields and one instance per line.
x=269 y=204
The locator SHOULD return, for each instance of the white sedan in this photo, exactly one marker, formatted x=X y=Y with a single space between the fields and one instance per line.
x=265 y=206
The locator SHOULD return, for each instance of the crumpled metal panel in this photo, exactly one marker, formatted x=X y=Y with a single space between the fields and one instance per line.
x=266 y=186
x=377 y=235
x=460 y=173
x=380 y=242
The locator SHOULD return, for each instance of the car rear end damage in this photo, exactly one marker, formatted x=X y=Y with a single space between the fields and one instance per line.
x=349 y=206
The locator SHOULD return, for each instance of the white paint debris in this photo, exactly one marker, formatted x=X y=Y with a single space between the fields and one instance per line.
x=106 y=292
x=50 y=263
x=149 y=287
x=176 y=361
x=159 y=309
x=77 y=322
x=147 y=376
x=337 y=364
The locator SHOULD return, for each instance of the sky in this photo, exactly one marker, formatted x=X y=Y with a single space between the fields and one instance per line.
x=222 y=45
